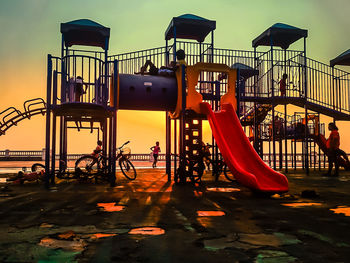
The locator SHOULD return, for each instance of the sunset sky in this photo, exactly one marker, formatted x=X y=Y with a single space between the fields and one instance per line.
x=30 y=31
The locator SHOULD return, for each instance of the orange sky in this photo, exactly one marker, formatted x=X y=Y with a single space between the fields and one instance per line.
x=28 y=36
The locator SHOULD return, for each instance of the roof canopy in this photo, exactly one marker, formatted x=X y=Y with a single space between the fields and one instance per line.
x=342 y=59
x=85 y=32
x=282 y=36
x=190 y=26
x=245 y=71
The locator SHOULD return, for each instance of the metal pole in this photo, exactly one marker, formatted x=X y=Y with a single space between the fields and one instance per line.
x=212 y=46
x=110 y=143
x=273 y=108
x=306 y=96
x=255 y=129
x=174 y=48
x=168 y=145
x=65 y=131
x=285 y=120
x=175 y=145
x=182 y=119
x=53 y=156
x=48 y=122
x=114 y=121
x=166 y=53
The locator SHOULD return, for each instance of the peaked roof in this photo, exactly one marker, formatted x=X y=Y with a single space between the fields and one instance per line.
x=342 y=59
x=189 y=26
x=85 y=32
x=282 y=36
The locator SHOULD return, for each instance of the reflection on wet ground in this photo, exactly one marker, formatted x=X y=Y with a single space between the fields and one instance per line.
x=151 y=219
x=304 y=204
x=110 y=207
x=102 y=235
x=210 y=213
x=342 y=210
x=152 y=231
x=223 y=189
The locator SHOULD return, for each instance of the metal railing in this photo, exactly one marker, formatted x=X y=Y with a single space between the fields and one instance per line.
x=315 y=158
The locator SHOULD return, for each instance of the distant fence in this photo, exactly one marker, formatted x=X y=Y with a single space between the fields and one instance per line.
x=296 y=161
x=8 y=155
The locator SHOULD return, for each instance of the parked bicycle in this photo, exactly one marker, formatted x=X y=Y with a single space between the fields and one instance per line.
x=91 y=167
x=218 y=167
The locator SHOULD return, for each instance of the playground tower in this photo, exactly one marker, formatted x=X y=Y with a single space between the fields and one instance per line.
x=80 y=93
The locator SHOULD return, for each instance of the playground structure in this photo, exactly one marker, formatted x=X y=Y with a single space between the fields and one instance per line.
x=251 y=87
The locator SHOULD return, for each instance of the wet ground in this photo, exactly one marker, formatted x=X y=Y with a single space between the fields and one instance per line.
x=152 y=220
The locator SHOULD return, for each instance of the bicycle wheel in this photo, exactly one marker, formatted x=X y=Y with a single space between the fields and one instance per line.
x=228 y=174
x=127 y=168
x=38 y=167
x=197 y=169
x=181 y=173
x=86 y=165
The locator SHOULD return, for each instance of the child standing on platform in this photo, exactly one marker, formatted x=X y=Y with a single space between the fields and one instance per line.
x=283 y=84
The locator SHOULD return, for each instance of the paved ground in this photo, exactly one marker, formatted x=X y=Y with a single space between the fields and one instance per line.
x=152 y=220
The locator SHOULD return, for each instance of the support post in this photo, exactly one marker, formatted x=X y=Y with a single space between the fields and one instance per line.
x=175 y=145
x=168 y=146
x=306 y=96
x=285 y=139
x=273 y=108
x=53 y=155
x=48 y=122
x=114 y=123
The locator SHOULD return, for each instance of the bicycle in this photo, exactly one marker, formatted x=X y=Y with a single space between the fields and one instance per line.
x=22 y=176
x=89 y=166
x=61 y=173
x=192 y=169
x=218 y=166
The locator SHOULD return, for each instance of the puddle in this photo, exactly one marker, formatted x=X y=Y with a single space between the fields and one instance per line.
x=210 y=213
x=3 y=180
x=152 y=231
x=75 y=245
x=223 y=189
x=260 y=239
x=101 y=235
x=110 y=207
x=274 y=256
x=67 y=235
x=342 y=210
x=46 y=225
x=297 y=205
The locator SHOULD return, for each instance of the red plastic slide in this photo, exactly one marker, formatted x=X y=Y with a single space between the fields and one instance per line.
x=238 y=153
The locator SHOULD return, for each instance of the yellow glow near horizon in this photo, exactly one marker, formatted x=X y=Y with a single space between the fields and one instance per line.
x=27 y=38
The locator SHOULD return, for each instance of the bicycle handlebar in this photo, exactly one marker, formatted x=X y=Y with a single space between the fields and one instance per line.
x=125 y=143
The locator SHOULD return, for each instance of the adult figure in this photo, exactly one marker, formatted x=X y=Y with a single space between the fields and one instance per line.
x=332 y=144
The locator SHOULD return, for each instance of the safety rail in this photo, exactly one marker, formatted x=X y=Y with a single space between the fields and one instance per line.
x=316 y=160
x=328 y=86
x=131 y=63
x=91 y=71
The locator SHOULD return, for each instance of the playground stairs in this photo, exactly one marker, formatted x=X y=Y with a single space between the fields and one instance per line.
x=261 y=112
